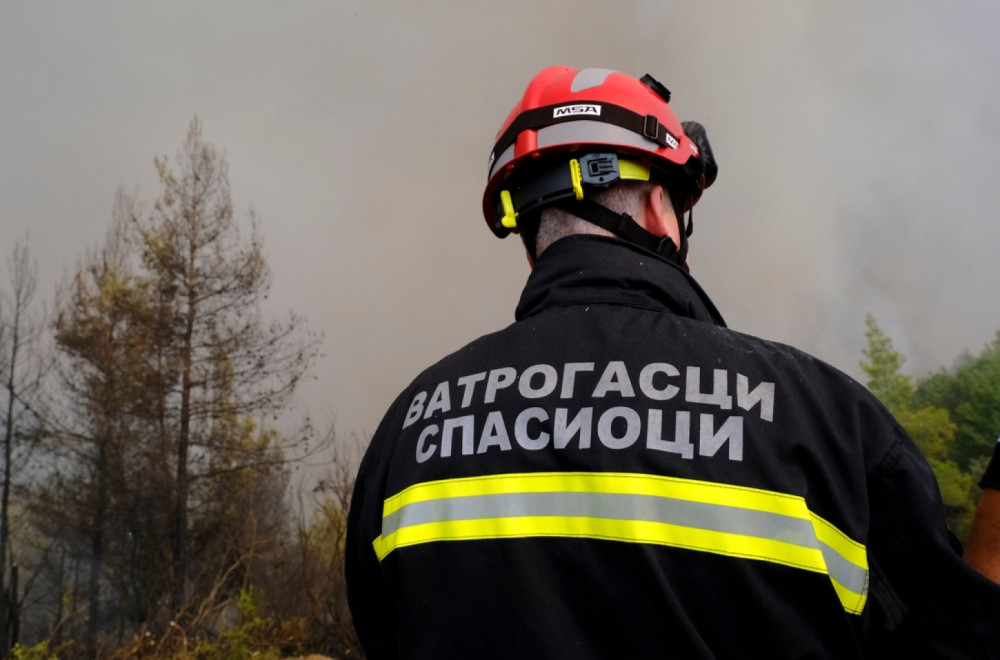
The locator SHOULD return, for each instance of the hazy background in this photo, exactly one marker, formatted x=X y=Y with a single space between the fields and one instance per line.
x=859 y=150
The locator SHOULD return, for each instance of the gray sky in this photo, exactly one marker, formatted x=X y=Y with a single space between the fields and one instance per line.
x=859 y=149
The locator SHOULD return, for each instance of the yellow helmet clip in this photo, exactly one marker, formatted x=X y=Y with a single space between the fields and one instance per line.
x=576 y=177
x=509 y=219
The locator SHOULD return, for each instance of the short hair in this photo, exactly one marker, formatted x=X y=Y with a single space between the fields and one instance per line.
x=555 y=223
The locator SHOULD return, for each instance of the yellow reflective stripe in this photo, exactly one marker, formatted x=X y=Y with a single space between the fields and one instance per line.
x=845 y=546
x=853 y=601
x=638 y=508
x=634 y=531
x=603 y=482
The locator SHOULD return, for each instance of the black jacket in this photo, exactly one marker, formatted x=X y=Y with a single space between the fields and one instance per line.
x=617 y=475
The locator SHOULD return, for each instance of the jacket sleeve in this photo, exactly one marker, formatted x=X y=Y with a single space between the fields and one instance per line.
x=371 y=603
x=991 y=478
x=926 y=600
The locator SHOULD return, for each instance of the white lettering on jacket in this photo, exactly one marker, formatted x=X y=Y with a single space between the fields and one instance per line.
x=505 y=410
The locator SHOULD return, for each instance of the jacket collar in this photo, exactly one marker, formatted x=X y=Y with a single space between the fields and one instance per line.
x=599 y=269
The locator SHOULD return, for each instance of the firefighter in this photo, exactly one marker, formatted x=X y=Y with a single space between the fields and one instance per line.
x=984 y=539
x=617 y=474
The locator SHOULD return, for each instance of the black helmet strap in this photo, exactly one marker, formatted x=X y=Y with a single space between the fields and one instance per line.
x=625 y=227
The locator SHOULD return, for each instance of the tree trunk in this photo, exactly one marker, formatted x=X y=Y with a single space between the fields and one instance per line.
x=97 y=551
x=15 y=608
x=180 y=507
x=7 y=604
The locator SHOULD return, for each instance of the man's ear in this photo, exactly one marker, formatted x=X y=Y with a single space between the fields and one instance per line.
x=658 y=214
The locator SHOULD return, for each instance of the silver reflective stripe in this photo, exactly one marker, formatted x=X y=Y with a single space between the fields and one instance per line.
x=607 y=505
x=588 y=131
x=577 y=132
x=503 y=159
x=846 y=573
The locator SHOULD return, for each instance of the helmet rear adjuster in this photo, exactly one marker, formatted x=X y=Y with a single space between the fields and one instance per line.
x=546 y=187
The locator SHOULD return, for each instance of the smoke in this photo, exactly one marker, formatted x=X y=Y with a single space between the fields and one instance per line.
x=857 y=145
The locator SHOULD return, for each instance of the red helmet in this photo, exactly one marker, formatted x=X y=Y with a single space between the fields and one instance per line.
x=570 y=111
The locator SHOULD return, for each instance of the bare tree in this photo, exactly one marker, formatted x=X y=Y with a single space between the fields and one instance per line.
x=312 y=595
x=23 y=367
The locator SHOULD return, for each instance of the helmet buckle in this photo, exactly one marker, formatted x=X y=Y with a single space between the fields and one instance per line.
x=651 y=128
x=600 y=169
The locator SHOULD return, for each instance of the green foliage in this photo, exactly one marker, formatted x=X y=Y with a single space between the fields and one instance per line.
x=39 y=651
x=885 y=380
x=971 y=395
x=249 y=639
x=931 y=428
x=955 y=485
x=944 y=415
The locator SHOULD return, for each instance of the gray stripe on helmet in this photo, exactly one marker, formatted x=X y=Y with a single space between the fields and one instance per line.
x=587 y=78
x=584 y=131
x=503 y=159
x=581 y=131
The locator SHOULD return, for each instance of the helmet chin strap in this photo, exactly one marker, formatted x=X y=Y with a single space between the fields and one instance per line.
x=625 y=227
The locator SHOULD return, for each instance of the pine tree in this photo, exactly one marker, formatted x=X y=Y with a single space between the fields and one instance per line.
x=170 y=484
x=930 y=427
x=231 y=363
x=885 y=379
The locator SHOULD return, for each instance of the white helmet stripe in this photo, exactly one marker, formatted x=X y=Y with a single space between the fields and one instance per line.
x=588 y=78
